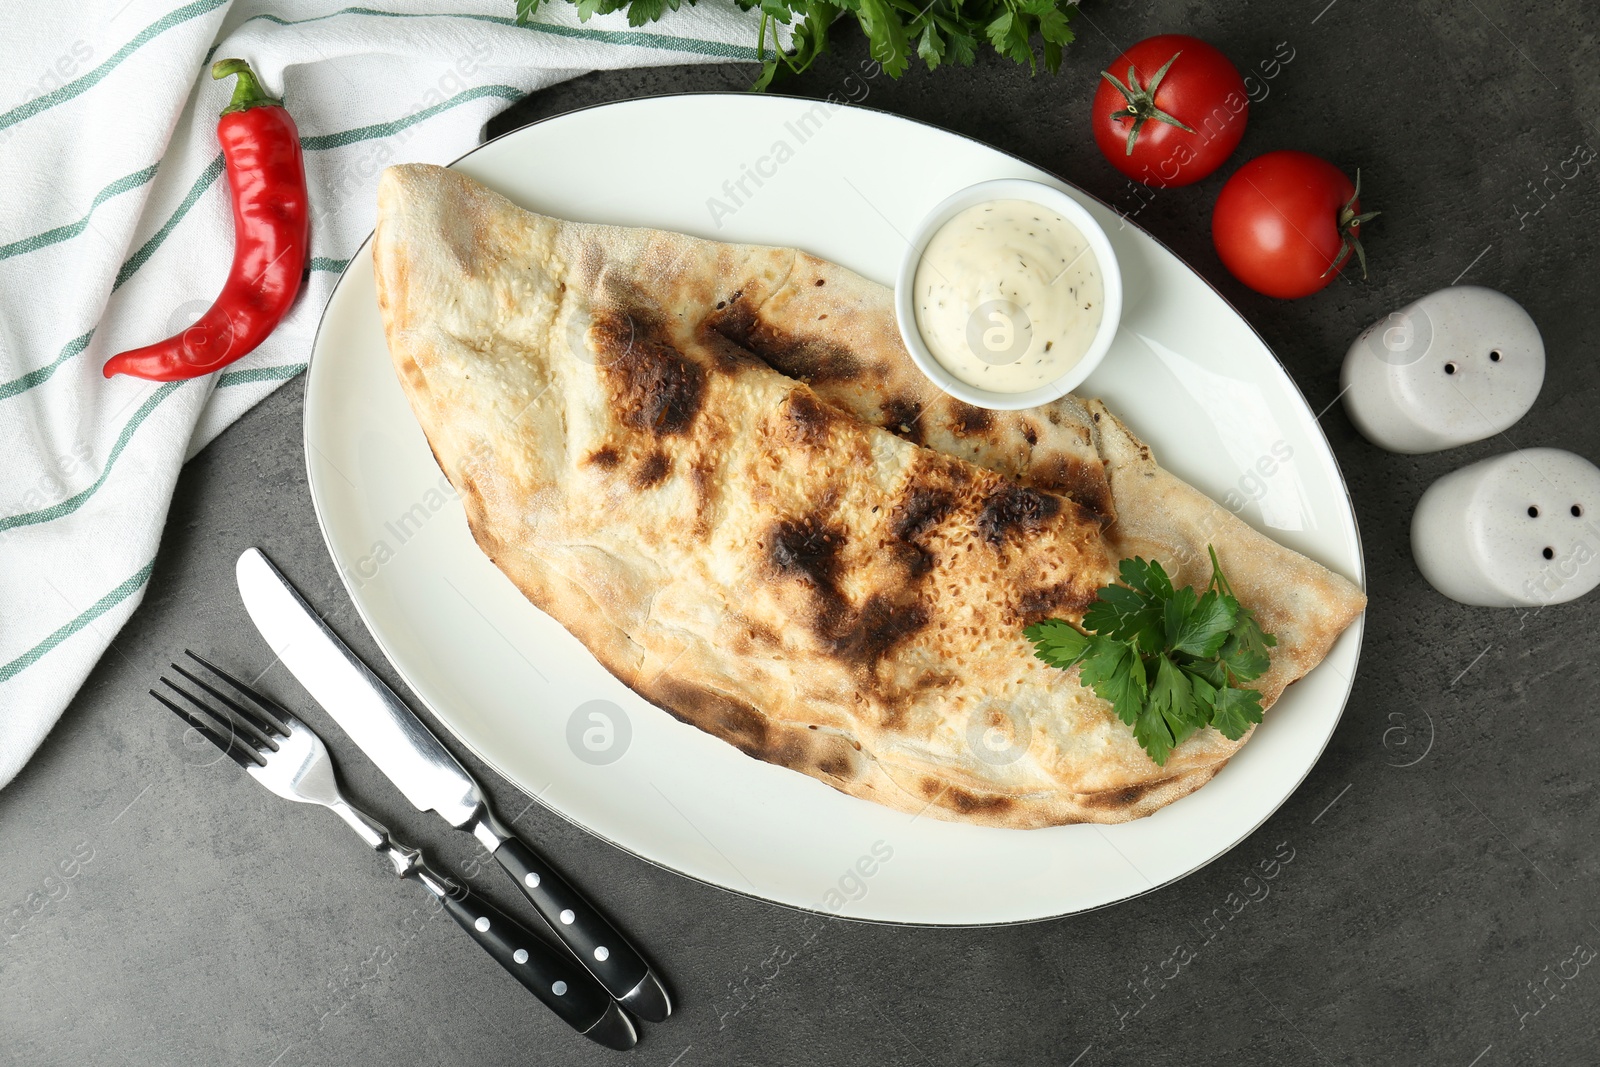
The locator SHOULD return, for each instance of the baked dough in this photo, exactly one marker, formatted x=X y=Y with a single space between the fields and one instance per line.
x=716 y=466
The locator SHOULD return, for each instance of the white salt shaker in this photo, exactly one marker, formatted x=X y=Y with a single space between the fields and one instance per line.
x=1522 y=529
x=1457 y=366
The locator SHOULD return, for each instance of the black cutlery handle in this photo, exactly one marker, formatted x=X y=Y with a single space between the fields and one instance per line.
x=557 y=980
x=579 y=924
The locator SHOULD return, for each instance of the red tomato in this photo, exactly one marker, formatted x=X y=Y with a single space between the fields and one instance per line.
x=1176 y=117
x=1286 y=223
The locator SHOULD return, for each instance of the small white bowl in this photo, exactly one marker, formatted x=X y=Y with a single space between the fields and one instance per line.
x=1045 y=196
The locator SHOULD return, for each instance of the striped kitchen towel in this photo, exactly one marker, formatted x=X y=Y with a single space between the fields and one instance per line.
x=115 y=231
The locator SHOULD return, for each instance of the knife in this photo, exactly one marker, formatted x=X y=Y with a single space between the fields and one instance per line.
x=433 y=780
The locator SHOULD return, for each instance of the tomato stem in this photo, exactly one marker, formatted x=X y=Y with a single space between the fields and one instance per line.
x=1142 y=100
x=1350 y=232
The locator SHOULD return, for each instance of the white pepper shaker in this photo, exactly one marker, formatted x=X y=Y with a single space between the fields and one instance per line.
x=1457 y=366
x=1522 y=529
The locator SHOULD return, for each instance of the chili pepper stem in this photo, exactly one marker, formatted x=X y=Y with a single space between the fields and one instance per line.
x=247 y=91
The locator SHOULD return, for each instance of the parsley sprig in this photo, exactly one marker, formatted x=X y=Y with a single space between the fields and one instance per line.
x=942 y=31
x=1169 y=660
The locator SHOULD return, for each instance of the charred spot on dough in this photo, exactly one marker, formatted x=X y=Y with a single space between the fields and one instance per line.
x=702 y=477
x=968 y=803
x=1048 y=601
x=728 y=358
x=1094 y=508
x=725 y=329
x=808 y=359
x=966 y=420
x=651 y=470
x=808 y=418
x=864 y=637
x=916 y=560
x=903 y=418
x=1041 y=600
x=1013 y=508
x=836 y=756
x=1030 y=434
x=605 y=457
x=1115 y=799
x=728 y=717
x=1084 y=482
x=836 y=766
x=655 y=388
x=734 y=318
x=786 y=751
x=807 y=549
x=742 y=726
x=922 y=508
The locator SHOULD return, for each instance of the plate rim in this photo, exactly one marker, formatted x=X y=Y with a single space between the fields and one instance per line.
x=1358 y=626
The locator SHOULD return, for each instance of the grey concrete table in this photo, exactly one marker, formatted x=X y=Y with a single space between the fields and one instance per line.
x=1430 y=879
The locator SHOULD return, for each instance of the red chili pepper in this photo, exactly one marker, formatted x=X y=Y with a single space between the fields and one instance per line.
x=272 y=236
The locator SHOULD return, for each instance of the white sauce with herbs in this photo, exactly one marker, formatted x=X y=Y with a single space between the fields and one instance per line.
x=1008 y=296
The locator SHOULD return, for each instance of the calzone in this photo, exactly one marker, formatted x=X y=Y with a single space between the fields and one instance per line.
x=716 y=466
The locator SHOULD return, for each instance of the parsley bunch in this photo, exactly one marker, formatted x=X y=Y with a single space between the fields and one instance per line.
x=1169 y=660
x=943 y=31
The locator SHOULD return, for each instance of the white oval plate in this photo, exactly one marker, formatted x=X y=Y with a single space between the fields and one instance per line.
x=1186 y=373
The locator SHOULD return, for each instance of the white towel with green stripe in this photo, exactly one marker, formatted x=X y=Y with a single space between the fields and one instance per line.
x=115 y=231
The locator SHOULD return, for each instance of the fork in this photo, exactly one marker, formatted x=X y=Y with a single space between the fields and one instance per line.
x=285 y=755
